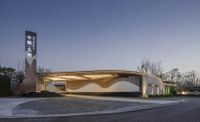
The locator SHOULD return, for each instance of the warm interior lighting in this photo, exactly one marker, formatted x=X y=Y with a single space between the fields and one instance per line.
x=183 y=93
x=99 y=76
x=80 y=77
x=56 y=79
x=72 y=77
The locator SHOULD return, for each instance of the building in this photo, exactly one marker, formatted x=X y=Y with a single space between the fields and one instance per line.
x=101 y=82
x=169 y=87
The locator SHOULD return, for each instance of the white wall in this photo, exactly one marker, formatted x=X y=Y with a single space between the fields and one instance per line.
x=119 y=86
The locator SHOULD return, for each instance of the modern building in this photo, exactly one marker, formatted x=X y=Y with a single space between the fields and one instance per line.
x=101 y=82
x=169 y=87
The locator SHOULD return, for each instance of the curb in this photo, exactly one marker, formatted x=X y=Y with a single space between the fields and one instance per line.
x=114 y=111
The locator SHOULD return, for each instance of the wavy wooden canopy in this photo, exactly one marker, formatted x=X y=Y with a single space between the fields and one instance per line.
x=89 y=75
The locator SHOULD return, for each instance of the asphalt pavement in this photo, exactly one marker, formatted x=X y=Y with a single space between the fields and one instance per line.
x=181 y=112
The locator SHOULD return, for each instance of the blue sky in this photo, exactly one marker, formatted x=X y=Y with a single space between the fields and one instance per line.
x=102 y=34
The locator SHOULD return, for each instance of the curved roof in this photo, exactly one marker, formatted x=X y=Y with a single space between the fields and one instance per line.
x=89 y=75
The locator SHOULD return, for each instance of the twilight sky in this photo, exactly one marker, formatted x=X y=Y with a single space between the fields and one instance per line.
x=102 y=34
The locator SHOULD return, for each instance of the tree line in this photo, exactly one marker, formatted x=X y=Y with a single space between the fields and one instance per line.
x=186 y=81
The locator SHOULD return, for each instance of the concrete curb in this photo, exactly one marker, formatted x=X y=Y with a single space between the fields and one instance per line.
x=114 y=111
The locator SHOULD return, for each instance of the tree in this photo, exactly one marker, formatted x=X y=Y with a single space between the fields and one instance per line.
x=41 y=70
x=6 y=73
x=20 y=76
x=156 y=69
x=173 y=75
x=189 y=80
x=20 y=73
x=149 y=67
x=144 y=66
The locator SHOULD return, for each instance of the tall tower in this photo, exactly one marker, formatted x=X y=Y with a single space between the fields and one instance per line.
x=30 y=61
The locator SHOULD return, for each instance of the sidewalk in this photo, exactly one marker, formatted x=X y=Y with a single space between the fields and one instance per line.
x=135 y=99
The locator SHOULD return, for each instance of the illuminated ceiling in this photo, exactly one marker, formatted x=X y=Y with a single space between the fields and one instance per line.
x=86 y=75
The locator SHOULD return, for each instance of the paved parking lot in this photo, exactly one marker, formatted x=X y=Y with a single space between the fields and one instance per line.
x=74 y=105
x=7 y=104
x=66 y=105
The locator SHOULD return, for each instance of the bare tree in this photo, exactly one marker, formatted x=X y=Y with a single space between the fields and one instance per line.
x=156 y=69
x=144 y=66
x=20 y=73
x=185 y=81
x=149 y=67
x=173 y=75
x=41 y=70
x=20 y=76
x=197 y=82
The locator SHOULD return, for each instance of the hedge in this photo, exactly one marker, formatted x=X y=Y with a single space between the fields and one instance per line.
x=5 y=89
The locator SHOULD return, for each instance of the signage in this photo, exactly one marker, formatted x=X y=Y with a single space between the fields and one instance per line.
x=30 y=46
